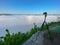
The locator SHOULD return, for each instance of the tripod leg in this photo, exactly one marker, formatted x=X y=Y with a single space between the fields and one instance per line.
x=42 y=25
x=47 y=28
x=49 y=35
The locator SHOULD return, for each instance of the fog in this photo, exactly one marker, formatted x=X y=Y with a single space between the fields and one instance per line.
x=22 y=23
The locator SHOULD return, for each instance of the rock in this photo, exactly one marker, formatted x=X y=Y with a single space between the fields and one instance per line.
x=36 y=39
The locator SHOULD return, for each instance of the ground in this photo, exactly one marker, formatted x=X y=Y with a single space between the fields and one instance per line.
x=41 y=37
x=55 y=34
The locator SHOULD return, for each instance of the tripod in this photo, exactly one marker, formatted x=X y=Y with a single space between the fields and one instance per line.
x=45 y=13
x=47 y=26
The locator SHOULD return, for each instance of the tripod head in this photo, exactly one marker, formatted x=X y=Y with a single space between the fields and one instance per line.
x=45 y=13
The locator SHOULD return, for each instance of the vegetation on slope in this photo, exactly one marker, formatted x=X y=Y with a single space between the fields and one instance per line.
x=19 y=38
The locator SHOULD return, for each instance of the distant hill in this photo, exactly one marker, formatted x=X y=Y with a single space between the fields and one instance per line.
x=5 y=14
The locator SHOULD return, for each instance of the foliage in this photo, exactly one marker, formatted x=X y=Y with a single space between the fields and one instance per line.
x=19 y=38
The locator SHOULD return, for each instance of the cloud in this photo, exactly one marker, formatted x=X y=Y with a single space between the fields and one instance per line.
x=24 y=20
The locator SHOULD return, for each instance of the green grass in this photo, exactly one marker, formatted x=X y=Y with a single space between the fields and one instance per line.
x=56 y=29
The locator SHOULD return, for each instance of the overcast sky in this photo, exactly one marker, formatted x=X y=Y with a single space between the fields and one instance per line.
x=30 y=6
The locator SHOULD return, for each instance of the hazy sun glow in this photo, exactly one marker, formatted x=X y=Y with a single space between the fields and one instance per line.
x=29 y=19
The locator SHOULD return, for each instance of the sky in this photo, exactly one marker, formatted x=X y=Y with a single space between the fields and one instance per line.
x=29 y=6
